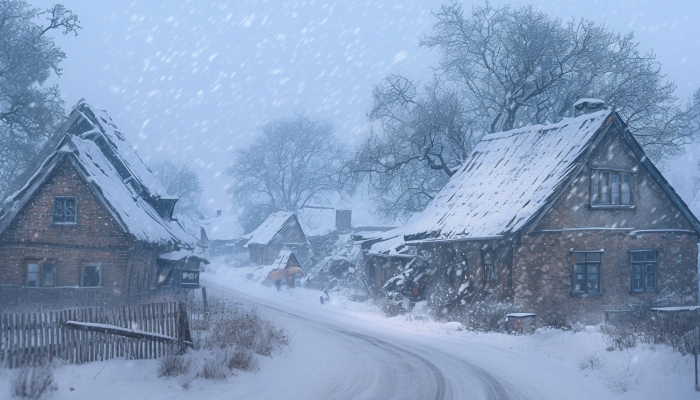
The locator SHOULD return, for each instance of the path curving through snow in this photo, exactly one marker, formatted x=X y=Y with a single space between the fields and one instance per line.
x=339 y=354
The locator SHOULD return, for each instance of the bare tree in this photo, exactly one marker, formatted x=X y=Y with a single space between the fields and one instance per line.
x=182 y=181
x=502 y=68
x=294 y=161
x=29 y=112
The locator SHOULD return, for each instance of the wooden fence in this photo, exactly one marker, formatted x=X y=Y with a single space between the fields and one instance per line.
x=33 y=338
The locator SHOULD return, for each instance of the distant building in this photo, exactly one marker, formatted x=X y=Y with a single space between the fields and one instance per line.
x=321 y=221
x=568 y=218
x=222 y=234
x=91 y=223
x=279 y=231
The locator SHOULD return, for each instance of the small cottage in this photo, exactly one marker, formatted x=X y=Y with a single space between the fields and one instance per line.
x=568 y=219
x=91 y=223
x=279 y=231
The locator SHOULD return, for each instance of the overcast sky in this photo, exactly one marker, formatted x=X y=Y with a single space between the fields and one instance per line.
x=191 y=80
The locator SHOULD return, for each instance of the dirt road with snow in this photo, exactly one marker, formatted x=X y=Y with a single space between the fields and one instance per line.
x=339 y=354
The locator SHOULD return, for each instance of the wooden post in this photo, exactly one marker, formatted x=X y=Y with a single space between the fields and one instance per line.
x=697 y=388
x=183 y=329
x=206 y=306
x=696 y=349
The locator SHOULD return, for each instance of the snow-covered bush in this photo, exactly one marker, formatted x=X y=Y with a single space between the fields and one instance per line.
x=556 y=319
x=216 y=366
x=487 y=316
x=230 y=341
x=590 y=362
x=621 y=337
x=243 y=360
x=335 y=263
x=245 y=330
x=33 y=383
x=173 y=365
x=679 y=330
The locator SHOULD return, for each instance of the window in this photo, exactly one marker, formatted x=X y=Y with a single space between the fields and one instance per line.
x=587 y=270
x=643 y=265
x=610 y=188
x=41 y=274
x=489 y=268
x=65 y=210
x=92 y=276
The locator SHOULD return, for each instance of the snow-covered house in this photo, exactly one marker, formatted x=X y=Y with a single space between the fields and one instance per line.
x=92 y=221
x=279 y=231
x=321 y=221
x=385 y=254
x=222 y=233
x=570 y=218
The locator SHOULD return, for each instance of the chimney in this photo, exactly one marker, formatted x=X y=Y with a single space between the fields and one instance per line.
x=218 y=213
x=587 y=106
x=343 y=220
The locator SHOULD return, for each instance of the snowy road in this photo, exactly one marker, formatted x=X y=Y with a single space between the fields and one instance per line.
x=338 y=354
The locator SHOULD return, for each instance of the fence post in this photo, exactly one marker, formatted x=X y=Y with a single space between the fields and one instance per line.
x=206 y=306
x=183 y=329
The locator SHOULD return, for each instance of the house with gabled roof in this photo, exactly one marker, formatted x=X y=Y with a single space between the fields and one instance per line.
x=568 y=219
x=91 y=222
x=281 y=230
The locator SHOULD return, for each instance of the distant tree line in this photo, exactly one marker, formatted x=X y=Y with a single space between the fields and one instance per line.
x=501 y=68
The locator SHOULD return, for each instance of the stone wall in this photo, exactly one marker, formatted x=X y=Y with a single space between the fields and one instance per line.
x=460 y=265
x=543 y=271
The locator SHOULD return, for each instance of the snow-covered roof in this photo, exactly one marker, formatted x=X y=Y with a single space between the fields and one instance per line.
x=221 y=227
x=182 y=254
x=274 y=223
x=98 y=120
x=282 y=259
x=392 y=244
x=317 y=221
x=130 y=201
x=509 y=177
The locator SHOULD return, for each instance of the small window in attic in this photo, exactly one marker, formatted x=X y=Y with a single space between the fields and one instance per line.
x=65 y=210
x=610 y=188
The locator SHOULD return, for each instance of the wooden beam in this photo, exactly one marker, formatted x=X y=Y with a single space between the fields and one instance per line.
x=119 y=331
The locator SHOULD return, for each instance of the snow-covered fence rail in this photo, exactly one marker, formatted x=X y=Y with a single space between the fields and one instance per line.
x=32 y=338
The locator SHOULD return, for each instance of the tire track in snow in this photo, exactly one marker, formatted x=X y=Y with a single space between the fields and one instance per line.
x=461 y=371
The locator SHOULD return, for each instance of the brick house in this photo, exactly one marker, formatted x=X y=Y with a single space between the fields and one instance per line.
x=569 y=218
x=91 y=224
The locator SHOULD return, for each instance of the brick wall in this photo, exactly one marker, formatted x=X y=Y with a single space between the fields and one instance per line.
x=128 y=267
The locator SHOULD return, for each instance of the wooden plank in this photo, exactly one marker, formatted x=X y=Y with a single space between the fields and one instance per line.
x=23 y=339
x=3 y=340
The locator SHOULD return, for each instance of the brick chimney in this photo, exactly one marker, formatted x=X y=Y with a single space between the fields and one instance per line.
x=587 y=106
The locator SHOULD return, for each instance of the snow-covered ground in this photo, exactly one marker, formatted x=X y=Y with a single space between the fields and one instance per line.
x=349 y=350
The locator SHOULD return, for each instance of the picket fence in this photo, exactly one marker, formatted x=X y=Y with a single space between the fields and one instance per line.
x=32 y=338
